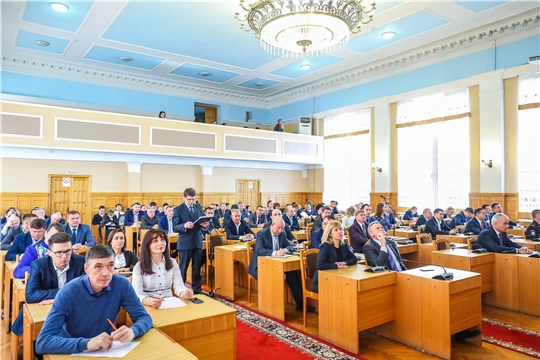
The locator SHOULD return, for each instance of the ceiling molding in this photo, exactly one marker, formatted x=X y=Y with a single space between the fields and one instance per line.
x=510 y=30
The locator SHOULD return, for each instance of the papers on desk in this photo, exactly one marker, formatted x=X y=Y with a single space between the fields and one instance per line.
x=238 y=247
x=170 y=303
x=277 y=256
x=118 y=350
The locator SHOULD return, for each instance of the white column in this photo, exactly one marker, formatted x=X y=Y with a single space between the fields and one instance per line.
x=382 y=147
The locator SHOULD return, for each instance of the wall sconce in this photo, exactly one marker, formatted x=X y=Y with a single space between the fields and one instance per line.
x=489 y=164
x=375 y=167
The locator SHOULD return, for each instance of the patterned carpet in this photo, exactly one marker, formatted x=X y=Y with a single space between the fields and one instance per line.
x=511 y=337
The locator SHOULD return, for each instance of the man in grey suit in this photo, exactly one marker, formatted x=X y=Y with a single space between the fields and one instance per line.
x=380 y=251
x=13 y=231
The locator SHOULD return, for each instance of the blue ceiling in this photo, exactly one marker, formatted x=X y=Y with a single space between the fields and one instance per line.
x=258 y=83
x=40 y=12
x=28 y=40
x=194 y=71
x=112 y=56
x=479 y=6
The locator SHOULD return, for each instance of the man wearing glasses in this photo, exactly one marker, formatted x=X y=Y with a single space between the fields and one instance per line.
x=50 y=273
x=189 y=243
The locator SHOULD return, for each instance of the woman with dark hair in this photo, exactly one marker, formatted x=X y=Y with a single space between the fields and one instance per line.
x=157 y=272
x=380 y=217
x=124 y=260
x=162 y=114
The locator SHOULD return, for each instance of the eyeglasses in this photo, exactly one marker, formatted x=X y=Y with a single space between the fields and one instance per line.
x=62 y=253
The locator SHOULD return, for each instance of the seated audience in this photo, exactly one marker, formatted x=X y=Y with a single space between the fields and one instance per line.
x=165 y=222
x=81 y=235
x=461 y=218
x=279 y=126
x=423 y=219
x=497 y=209
x=72 y=325
x=50 y=273
x=367 y=211
x=358 y=232
x=267 y=212
x=477 y=224
x=40 y=213
x=213 y=224
x=494 y=238
x=8 y=239
x=533 y=231
x=162 y=115
x=248 y=209
x=98 y=218
x=411 y=214
x=134 y=215
x=244 y=214
x=124 y=260
x=228 y=213
x=157 y=274
x=290 y=218
x=118 y=211
x=334 y=252
x=381 y=251
x=325 y=211
x=220 y=213
x=276 y=213
x=487 y=210
x=257 y=219
x=36 y=251
x=12 y=223
x=316 y=236
x=308 y=210
x=237 y=229
x=149 y=220
x=449 y=212
x=157 y=213
x=55 y=218
x=436 y=225
x=379 y=216
x=333 y=206
x=22 y=241
x=10 y=211
x=348 y=219
x=109 y=222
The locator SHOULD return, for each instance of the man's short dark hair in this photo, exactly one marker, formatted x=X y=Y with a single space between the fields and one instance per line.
x=59 y=238
x=37 y=224
x=318 y=206
x=478 y=211
x=29 y=216
x=165 y=204
x=535 y=212
x=101 y=207
x=364 y=206
x=326 y=207
x=437 y=210
x=329 y=217
x=74 y=212
x=99 y=251
x=59 y=228
x=135 y=204
x=117 y=205
x=190 y=192
x=469 y=209
x=495 y=204
x=414 y=208
x=485 y=206
x=234 y=206
x=153 y=203
x=269 y=201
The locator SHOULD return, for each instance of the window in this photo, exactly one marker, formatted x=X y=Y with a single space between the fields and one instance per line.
x=433 y=150
x=347 y=158
x=528 y=137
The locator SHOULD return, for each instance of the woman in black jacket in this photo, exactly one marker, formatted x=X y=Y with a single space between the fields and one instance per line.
x=124 y=260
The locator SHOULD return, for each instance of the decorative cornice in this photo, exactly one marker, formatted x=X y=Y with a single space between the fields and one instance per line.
x=458 y=45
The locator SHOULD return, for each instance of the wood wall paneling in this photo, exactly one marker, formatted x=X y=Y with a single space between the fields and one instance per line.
x=511 y=205
x=24 y=202
x=375 y=198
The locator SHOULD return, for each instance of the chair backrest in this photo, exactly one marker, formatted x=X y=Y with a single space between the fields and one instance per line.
x=249 y=246
x=308 y=266
x=441 y=244
x=309 y=229
x=221 y=221
x=346 y=233
x=471 y=244
x=421 y=229
x=308 y=220
x=461 y=228
x=305 y=245
x=82 y=250
x=215 y=240
x=423 y=239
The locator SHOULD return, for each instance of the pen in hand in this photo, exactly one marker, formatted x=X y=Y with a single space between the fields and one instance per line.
x=114 y=327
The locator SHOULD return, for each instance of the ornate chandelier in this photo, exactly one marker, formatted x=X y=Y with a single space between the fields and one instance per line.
x=303 y=27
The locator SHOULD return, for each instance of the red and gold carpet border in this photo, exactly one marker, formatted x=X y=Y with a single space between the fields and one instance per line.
x=524 y=337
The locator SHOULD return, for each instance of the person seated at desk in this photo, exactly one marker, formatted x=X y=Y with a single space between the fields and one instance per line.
x=13 y=224
x=149 y=220
x=109 y=222
x=316 y=236
x=436 y=225
x=348 y=219
x=477 y=224
x=487 y=210
x=423 y=219
x=462 y=218
x=36 y=251
x=8 y=240
x=78 y=317
x=237 y=229
x=276 y=213
x=157 y=272
x=271 y=241
x=494 y=238
x=334 y=252
x=533 y=231
x=308 y=210
x=381 y=251
x=22 y=241
x=497 y=209
x=379 y=216
x=98 y=218
x=55 y=218
x=50 y=273
x=165 y=222
x=290 y=218
x=411 y=214
x=333 y=206
x=81 y=235
x=257 y=219
x=244 y=214
x=324 y=212
x=134 y=215
x=213 y=223
x=449 y=213
x=124 y=260
x=5 y=217
x=358 y=232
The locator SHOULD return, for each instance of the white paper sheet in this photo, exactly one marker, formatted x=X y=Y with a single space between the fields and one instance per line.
x=277 y=256
x=118 y=350
x=239 y=247
x=171 y=302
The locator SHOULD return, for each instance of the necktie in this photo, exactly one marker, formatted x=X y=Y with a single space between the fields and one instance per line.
x=74 y=232
x=191 y=209
x=482 y=225
x=276 y=243
x=170 y=226
x=500 y=239
x=258 y=220
x=363 y=230
x=391 y=259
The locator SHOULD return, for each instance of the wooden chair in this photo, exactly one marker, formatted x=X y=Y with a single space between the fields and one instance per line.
x=221 y=222
x=308 y=266
x=424 y=239
x=249 y=246
x=305 y=245
x=82 y=251
x=461 y=229
x=309 y=229
x=212 y=242
x=139 y=242
x=471 y=243
x=412 y=224
x=346 y=234
x=421 y=229
x=441 y=244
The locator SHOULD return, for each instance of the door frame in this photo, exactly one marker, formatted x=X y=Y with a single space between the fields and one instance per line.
x=258 y=194
x=88 y=218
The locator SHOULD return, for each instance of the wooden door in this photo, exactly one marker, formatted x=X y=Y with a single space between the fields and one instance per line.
x=210 y=114
x=247 y=190
x=71 y=192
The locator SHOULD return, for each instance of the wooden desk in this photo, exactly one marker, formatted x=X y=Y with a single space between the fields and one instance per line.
x=9 y=266
x=351 y=300
x=517 y=284
x=225 y=258
x=533 y=245
x=409 y=234
x=2 y=273
x=518 y=232
x=34 y=317
x=153 y=346
x=272 y=287
x=300 y=235
x=458 y=239
x=463 y=259
x=18 y=297
x=132 y=232
x=206 y=330
x=429 y=311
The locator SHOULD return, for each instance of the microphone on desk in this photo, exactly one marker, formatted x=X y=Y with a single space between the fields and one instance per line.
x=198 y=204
x=309 y=202
x=444 y=276
x=376 y=268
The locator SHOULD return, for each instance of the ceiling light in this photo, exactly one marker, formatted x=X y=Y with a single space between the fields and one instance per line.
x=126 y=58
x=388 y=35
x=59 y=7
x=258 y=84
x=205 y=73
x=304 y=26
x=42 y=43
x=305 y=66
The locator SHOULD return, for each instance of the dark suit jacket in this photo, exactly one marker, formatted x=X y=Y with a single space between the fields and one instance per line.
x=334 y=211
x=268 y=217
x=316 y=237
x=253 y=222
x=287 y=230
x=21 y=242
x=294 y=225
x=129 y=218
x=48 y=222
x=358 y=237
x=264 y=247
x=421 y=221
x=232 y=234
x=84 y=235
x=317 y=223
x=376 y=257
x=474 y=226
x=8 y=239
x=409 y=215
x=431 y=228
x=188 y=239
x=244 y=214
x=489 y=240
x=163 y=223
x=147 y=223
x=96 y=220
x=533 y=231
x=131 y=259
x=328 y=256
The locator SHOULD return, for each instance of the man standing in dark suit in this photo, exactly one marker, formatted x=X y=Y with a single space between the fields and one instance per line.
x=477 y=224
x=380 y=251
x=494 y=238
x=22 y=241
x=189 y=243
x=533 y=231
x=358 y=232
x=81 y=235
x=436 y=226
x=237 y=229
x=290 y=218
x=50 y=273
x=257 y=219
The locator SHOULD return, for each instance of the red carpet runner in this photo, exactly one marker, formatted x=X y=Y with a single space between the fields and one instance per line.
x=511 y=337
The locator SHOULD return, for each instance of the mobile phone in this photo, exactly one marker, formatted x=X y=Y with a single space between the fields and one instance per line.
x=196 y=300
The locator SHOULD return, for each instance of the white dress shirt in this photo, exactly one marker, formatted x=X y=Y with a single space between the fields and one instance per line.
x=119 y=261
x=160 y=282
x=61 y=274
